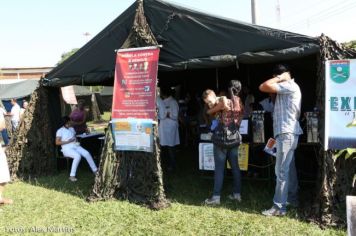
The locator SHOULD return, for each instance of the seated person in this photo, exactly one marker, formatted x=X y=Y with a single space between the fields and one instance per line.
x=79 y=118
x=65 y=137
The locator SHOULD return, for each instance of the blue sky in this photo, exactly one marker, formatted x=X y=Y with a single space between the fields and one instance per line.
x=37 y=32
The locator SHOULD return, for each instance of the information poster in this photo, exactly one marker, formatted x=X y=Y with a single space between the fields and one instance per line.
x=243 y=157
x=340 y=104
x=133 y=134
x=135 y=83
x=206 y=156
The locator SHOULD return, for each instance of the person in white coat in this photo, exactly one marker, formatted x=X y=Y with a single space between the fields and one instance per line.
x=66 y=138
x=168 y=132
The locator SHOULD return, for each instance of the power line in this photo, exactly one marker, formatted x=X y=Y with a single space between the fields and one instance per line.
x=326 y=17
x=328 y=10
x=324 y=14
x=295 y=13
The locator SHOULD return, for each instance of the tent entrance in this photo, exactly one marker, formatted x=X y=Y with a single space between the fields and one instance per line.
x=189 y=85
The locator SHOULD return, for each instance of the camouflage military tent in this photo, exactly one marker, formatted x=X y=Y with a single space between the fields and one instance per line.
x=229 y=48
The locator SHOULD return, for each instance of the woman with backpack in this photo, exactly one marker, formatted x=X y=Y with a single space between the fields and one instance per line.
x=228 y=113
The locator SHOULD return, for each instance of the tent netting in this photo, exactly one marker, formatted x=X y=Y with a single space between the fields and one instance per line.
x=335 y=175
x=136 y=176
x=31 y=150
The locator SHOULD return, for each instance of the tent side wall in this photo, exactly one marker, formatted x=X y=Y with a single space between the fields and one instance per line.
x=31 y=151
x=335 y=175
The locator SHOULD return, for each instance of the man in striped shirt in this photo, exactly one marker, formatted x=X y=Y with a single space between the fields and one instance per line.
x=286 y=129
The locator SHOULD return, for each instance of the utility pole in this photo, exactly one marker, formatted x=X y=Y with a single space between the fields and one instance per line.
x=87 y=36
x=253 y=11
x=278 y=13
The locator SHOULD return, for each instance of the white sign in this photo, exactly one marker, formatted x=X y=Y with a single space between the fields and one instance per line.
x=133 y=134
x=340 y=104
x=68 y=95
x=206 y=156
x=133 y=139
x=244 y=127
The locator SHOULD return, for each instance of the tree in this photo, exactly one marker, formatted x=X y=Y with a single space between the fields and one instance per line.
x=351 y=44
x=67 y=55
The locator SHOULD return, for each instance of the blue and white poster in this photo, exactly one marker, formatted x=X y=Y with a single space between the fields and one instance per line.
x=133 y=134
x=340 y=104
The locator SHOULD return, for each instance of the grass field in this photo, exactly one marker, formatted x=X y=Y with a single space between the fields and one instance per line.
x=53 y=203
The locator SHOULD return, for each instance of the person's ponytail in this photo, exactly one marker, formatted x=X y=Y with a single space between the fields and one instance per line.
x=234 y=88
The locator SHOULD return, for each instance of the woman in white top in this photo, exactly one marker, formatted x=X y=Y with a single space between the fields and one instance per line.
x=168 y=110
x=4 y=170
x=65 y=137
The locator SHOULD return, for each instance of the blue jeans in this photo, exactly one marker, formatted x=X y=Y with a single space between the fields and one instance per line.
x=286 y=174
x=5 y=136
x=220 y=156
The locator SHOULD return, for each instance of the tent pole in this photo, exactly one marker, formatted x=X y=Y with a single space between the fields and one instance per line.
x=217 y=79
x=248 y=76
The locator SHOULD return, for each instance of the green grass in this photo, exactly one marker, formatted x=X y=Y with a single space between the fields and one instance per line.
x=56 y=202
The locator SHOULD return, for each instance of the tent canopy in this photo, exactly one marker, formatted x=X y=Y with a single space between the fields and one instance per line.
x=189 y=40
x=82 y=91
x=107 y=91
x=20 y=89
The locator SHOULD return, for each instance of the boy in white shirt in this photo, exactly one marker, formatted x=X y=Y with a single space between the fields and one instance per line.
x=15 y=114
x=65 y=137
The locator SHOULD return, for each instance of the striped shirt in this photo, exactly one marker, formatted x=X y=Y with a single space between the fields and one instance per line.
x=287 y=109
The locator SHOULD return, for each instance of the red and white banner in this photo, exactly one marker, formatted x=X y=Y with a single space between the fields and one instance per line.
x=135 y=83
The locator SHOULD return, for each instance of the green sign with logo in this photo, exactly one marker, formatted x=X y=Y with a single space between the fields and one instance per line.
x=340 y=71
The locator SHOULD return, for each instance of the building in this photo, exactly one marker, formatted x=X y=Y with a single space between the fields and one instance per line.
x=24 y=72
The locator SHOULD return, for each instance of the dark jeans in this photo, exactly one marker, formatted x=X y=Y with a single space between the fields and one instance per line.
x=220 y=156
x=5 y=136
x=168 y=157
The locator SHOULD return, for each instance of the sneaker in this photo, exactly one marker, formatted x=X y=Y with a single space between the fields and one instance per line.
x=6 y=201
x=212 y=201
x=274 y=212
x=72 y=178
x=235 y=196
